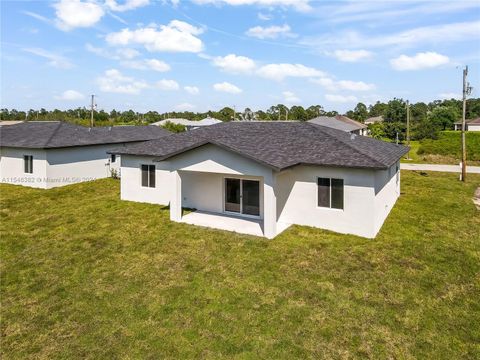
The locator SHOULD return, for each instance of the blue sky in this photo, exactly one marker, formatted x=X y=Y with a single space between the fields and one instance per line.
x=168 y=55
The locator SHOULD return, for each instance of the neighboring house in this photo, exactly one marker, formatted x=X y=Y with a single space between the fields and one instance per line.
x=373 y=120
x=190 y=124
x=341 y=122
x=470 y=125
x=261 y=177
x=46 y=154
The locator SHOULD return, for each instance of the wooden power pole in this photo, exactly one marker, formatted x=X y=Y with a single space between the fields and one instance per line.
x=466 y=90
x=408 y=129
x=92 y=109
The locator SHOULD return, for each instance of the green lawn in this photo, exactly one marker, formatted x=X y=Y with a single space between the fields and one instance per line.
x=85 y=275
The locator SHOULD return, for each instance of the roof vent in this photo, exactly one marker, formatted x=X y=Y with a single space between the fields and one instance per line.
x=89 y=129
x=109 y=128
x=353 y=136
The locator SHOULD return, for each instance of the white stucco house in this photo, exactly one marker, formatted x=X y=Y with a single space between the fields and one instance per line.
x=341 y=122
x=261 y=177
x=47 y=154
x=189 y=124
x=470 y=125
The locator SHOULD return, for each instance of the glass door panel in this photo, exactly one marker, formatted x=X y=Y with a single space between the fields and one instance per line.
x=232 y=195
x=250 y=197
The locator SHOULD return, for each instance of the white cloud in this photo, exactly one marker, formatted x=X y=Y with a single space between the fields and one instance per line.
x=450 y=95
x=419 y=61
x=70 y=95
x=192 y=90
x=264 y=17
x=300 y=5
x=341 y=98
x=351 y=55
x=118 y=54
x=115 y=82
x=279 y=72
x=55 y=60
x=270 y=32
x=290 y=97
x=333 y=85
x=227 y=87
x=177 y=36
x=167 y=85
x=185 y=107
x=127 y=4
x=234 y=64
x=37 y=16
x=147 y=64
x=75 y=13
x=441 y=34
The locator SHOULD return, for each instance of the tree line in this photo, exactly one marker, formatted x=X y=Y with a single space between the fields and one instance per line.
x=426 y=119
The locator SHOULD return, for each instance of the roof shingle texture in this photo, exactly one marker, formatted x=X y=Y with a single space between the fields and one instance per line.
x=278 y=145
x=56 y=134
x=338 y=122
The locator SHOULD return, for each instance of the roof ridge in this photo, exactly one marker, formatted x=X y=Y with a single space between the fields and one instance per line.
x=53 y=133
x=348 y=144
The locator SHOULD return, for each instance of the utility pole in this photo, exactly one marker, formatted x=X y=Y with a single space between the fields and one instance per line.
x=408 y=129
x=92 y=108
x=466 y=91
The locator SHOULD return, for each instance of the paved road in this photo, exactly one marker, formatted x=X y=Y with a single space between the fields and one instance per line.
x=444 y=168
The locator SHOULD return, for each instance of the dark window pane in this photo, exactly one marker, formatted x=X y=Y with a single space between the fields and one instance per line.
x=25 y=164
x=152 y=176
x=337 y=193
x=324 y=192
x=31 y=164
x=28 y=164
x=251 y=197
x=113 y=158
x=144 y=175
x=232 y=195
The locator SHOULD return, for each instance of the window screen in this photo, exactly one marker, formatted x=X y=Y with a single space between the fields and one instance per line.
x=148 y=176
x=337 y=193
x=330 y=193
x=28 y=164
x=324 y=192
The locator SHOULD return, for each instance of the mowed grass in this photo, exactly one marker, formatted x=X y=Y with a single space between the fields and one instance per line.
x=86 y=275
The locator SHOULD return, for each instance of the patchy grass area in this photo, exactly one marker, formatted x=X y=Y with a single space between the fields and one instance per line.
x=446 y=149
x=85 y=275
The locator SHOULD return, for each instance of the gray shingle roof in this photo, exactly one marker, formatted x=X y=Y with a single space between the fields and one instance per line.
x=278 y=145
x=56 y=134
x=338 y=122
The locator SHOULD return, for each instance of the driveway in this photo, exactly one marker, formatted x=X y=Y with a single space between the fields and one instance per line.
x=435 y=167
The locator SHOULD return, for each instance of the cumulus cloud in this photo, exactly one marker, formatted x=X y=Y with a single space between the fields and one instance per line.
x=177 y=36
x=270 y=32
x=333 y=85
x=117 y=54
x=73 y=14
x=115 y=82
x=184 y=107
x=351 y=55
x=341 y=98
x=54 y=60
x=70 y=95
x=167 y=85
x=147 y=64
x=278 y=72
x=234 y=64
x=192 y=90
x=127 y=4
x=290 y=97
x=299 y=5
x=227 y=87
x=419 y=61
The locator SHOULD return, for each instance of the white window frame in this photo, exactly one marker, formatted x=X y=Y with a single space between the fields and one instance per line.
x=330 y=193
x=29 y=166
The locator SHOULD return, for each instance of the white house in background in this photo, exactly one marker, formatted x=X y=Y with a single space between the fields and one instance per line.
x=190 y=124
x=260 y=177
x=373 y=120
x=47 y=154
x=341 y=122
x=470 y=125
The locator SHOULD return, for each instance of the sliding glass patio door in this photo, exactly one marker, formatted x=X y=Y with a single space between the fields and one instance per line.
x=242 y=196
